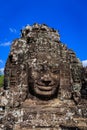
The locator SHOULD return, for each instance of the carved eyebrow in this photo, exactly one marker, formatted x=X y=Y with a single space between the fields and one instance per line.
x=54 y=65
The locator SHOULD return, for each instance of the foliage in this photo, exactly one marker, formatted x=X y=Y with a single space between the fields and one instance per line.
x=1 y=80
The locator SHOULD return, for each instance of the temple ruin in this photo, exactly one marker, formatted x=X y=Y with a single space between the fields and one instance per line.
x=45 y=84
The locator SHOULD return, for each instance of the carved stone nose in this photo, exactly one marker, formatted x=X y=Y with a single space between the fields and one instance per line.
x=46 y=82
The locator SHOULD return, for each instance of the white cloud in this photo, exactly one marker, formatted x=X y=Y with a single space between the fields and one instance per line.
x=2 y=70
x=13 y=30
x=84 y=62
x=5 y=44
x=1 y=61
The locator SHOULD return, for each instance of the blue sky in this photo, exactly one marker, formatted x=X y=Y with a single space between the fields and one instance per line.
x=67 y=16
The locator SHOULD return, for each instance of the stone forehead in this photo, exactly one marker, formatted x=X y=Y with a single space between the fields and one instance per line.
x=43 y=58
x=44 y=54
x=46 y=49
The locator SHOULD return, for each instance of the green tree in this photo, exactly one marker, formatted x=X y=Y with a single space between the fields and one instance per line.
x=1 y=79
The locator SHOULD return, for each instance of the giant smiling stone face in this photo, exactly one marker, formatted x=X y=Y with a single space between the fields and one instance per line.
x=44 y=78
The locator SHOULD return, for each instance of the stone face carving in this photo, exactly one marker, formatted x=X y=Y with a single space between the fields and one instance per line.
x=43 y=75
x=40 y=65
x=44 y=79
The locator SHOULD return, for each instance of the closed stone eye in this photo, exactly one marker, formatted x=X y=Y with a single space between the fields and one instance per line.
x=55 y=71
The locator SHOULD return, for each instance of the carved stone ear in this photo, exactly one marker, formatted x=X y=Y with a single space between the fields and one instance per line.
x=10 y=58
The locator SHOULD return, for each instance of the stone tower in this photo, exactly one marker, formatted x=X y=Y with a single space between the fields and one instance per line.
x=43 y=83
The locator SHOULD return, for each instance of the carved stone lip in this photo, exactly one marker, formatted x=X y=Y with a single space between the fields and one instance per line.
x=41 y=84
x=45 y=88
